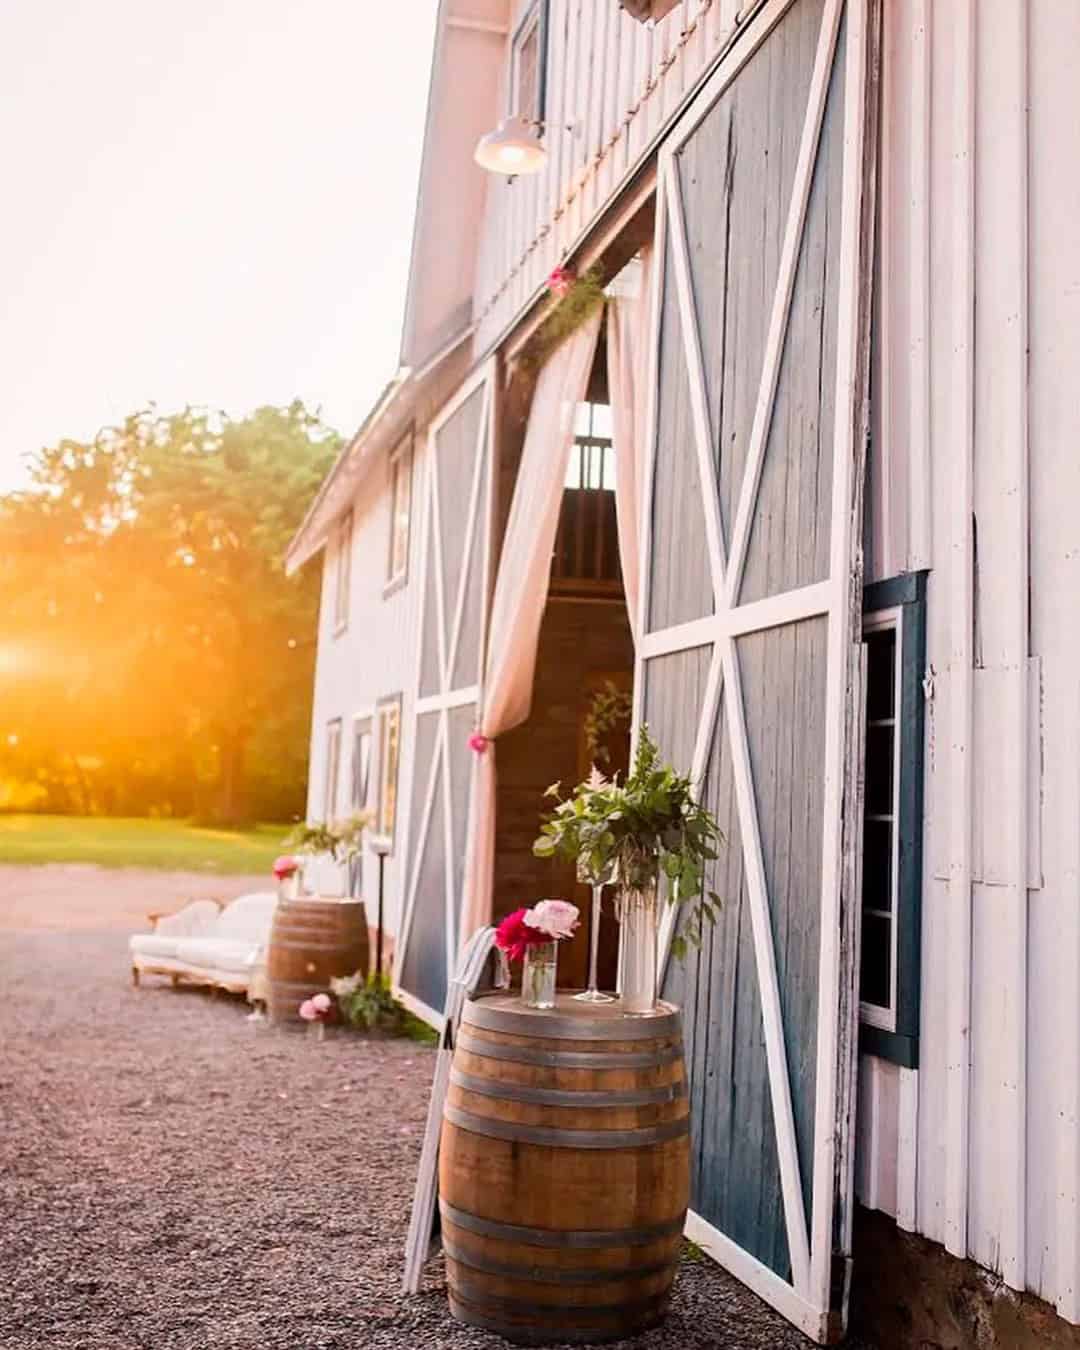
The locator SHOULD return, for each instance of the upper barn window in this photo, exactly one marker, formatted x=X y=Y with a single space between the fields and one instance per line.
x=528 y=62
x=343 y=572
x=401 y=461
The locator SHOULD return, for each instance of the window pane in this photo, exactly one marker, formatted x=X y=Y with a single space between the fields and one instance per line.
x=880 y=742
x=361 y=767
x=881 y=673
x=601 y=424
x=875 y=978
x=877 y=874
x=582 y=419
x=389 y=742
x=609 y=469
x=573 y=467
x=527 y=71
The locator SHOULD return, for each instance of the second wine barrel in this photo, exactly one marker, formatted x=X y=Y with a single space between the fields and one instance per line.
x=312 y=940
x=564 y=1169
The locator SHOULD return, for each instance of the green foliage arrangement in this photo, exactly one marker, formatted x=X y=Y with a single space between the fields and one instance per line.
x=569 y=312
x=342 y=839
x=648 y=826
x=368 y=1004
x=610 y=707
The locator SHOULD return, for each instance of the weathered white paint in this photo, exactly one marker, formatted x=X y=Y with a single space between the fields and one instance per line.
x=352 y=672
x=975 y=474
x=613 y=85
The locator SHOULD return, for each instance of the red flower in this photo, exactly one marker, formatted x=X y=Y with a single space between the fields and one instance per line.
x=560 y=281
x=513 y=935
x=478 y=742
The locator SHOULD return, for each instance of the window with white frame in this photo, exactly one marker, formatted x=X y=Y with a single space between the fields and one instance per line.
x=894 y=634
x=401 y=463
x=528 y=59
x=592 y=455
x=343 y=571
x=361 y=763
x=388 y=736
x=333 y=769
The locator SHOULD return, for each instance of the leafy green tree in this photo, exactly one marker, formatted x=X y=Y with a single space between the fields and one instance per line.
x=157 y=656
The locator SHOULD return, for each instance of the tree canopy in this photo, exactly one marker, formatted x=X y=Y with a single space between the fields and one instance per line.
x=154 y=657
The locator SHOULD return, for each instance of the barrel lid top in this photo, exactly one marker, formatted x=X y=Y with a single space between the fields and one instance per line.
x=570 y=1019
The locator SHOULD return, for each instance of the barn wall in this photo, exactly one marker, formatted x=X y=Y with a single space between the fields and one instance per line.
x=975 y=473
x=374 y=657
x=616 y=82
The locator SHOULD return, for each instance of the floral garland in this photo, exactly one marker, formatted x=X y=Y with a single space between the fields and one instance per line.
x=576 y=298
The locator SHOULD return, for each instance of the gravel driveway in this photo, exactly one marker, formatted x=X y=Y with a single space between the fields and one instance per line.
x=175 y=1177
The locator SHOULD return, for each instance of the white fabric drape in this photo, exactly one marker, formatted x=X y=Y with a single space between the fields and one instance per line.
x=628 y=328
x=521 y=589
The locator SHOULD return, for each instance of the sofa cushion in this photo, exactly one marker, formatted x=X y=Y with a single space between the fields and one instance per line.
x=199 y=916
x=248 y=917
x=152 y=945
x=221 y=954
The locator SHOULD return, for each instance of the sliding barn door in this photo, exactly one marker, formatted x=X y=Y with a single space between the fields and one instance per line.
x=748 y=667
x=455 y=553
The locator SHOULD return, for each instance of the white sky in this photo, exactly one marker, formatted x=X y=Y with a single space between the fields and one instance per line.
x=202 y=202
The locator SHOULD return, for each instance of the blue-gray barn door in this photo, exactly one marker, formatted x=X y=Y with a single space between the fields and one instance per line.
x=455 y=563
x=748 y=667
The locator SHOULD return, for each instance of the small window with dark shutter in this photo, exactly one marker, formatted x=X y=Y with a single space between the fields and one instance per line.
x=894 y=634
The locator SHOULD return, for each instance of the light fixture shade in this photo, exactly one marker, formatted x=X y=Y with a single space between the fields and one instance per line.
x=512 y=149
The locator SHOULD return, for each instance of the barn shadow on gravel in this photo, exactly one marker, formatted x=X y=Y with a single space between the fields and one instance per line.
x=174 y=1176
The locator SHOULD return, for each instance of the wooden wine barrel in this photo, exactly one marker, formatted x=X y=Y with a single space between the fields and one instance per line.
x=312 y=940
x=564 y=1169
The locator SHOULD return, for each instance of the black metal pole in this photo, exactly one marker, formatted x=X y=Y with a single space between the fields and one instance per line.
x=379 y=929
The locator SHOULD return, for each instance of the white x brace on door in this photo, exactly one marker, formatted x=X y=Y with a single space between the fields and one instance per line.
x=748 y=669
x=455 y=578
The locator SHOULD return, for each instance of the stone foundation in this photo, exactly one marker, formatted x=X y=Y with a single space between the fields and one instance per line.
x=909 y=1292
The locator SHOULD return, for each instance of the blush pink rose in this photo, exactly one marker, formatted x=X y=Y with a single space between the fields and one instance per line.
x=321 y=1003
x=557 y=918
x=308 y=1010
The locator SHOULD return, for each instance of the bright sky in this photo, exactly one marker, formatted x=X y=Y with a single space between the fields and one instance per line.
x=204 y=201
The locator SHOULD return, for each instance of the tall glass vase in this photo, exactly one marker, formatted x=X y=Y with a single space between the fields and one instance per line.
x=597 y=880
x=538 y=975
x=638 y=915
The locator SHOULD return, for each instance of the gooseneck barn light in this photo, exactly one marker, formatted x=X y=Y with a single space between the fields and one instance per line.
x=513 y=148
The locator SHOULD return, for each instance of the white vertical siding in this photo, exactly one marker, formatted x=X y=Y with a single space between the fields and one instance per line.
x=375 y=656
x=612 y=85
x=976 y=474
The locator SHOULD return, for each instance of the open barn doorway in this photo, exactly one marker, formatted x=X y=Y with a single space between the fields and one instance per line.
x=582 y=694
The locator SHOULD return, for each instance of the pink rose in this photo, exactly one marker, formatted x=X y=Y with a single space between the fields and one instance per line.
x=308 y=1011
x=560 y=281
x=557 y=918
x=285 y=866
x=321 y=1003
x=478 y=742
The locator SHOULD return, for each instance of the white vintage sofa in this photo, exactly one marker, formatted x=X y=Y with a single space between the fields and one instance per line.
x=204 y=943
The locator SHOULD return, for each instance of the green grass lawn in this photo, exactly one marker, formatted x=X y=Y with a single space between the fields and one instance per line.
x=170 y=845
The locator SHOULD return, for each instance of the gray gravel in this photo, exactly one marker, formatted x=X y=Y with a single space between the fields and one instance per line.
x=174 y=1177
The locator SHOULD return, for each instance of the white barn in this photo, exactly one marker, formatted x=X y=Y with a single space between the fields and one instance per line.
x=830 y=396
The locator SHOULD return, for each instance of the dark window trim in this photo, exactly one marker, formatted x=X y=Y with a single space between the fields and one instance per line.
x=906 y=592
x=540 y=8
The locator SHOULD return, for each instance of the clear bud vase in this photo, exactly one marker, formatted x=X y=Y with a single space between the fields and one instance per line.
x=638 y=915
x=289 y=887
x=538 y=975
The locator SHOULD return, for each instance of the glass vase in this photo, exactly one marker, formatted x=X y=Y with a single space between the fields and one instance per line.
x=288 y=888
x=538 y=975
x=638 y=916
